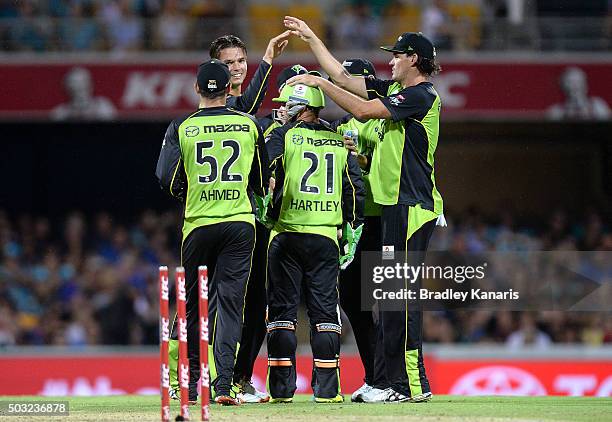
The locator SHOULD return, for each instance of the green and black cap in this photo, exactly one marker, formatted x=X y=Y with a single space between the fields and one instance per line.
x=213 y=76
x=411 y=43
x=288 y=73
x=359 y=67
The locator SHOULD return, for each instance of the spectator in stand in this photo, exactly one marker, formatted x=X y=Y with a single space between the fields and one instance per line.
x=528 y=334
x=32 y=30
x=80 y=31
x=124 y=28
x=358 y=28
x=437 y=24
x=171 y=27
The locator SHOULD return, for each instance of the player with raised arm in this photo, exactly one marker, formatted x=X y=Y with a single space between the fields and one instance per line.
x=401 y=177
x=232 y=51
x=318 y=190
x=211 y=160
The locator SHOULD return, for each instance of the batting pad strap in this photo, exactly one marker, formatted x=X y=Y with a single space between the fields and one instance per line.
x=329 y=327
x=280 y=325
x=327 y=363
x=280 y=362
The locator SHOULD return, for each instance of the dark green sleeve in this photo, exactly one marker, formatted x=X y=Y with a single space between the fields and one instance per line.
x=170 y=171
x=353 y=192
x=275 y=146
x=260 y=171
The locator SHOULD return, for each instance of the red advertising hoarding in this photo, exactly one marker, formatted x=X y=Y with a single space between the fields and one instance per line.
x=159 y=90
x=115 y=374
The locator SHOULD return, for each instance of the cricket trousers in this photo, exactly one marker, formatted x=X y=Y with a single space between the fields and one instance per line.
x=361 y=320
x=401 y=331
x=227 y=250
x=254 y=327
x=303 y=263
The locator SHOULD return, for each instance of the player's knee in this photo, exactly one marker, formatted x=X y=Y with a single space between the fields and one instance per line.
x=325 y=338
x=282 y=341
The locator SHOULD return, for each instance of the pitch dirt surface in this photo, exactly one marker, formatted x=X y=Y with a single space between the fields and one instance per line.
x=440 y=409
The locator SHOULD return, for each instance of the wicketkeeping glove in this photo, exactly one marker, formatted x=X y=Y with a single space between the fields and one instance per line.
x=350 y=240
x=261 y=209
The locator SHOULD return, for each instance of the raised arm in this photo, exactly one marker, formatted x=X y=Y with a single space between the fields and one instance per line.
x=358 y=107
x=335 y=70
x=253 y=96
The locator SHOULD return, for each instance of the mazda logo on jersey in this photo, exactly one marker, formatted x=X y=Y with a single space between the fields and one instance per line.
x=297 y=139
x=191 y=131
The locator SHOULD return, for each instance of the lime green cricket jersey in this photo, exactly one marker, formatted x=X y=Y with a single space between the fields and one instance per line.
x=368 y=134
x=318 y=183
x=402 y=169
x=210 y=159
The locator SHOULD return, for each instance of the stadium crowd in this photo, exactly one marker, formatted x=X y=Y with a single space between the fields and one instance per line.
x=164 y=25
x=92 y=279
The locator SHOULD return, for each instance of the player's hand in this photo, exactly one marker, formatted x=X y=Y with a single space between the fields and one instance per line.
x=276 y=46
x=299 y=28
x=362 y=160
x=305 y=79
x=350 y=145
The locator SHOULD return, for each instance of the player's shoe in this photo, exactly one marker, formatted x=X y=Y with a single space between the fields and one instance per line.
x=393 y=396
x=227 y=400
x=281 y=400
x=421 y=398
x=375 y=395
x=174 y=394
x=249 y=394
x=338 y=399
x=357 y=396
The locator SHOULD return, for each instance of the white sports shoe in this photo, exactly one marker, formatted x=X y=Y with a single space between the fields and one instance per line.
x=395 y=397
x=250 y=394
x=357 y=396
x=375 y=395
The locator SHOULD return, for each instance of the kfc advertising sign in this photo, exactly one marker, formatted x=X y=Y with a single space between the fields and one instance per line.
x=157 y=90
x=101 y=375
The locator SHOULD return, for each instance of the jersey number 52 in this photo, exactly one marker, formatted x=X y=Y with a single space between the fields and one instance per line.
x=202 y=158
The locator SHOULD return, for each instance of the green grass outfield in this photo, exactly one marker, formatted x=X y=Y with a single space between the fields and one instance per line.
x=440 y=409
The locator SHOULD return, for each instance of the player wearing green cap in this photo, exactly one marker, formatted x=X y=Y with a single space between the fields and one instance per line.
x=318 y=190
x=402 y=181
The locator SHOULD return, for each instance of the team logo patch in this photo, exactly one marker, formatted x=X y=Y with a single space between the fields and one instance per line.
x=394 y=100
x=297 y=139
x=388 y=252
x=212 y=84
x=298 y=68
x=299 y=90
x=191 y=131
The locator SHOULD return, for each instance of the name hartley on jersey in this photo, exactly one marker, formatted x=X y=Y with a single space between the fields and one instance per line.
x=308 y=205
